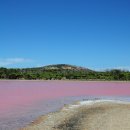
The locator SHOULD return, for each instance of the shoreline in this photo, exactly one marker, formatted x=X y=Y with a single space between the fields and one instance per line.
x=67 y=80
x=86 y=115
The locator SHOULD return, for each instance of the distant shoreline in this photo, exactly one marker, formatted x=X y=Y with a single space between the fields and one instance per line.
x=67 y=80
x=64 y=72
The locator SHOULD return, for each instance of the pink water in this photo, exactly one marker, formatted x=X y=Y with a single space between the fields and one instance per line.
x=18 y=94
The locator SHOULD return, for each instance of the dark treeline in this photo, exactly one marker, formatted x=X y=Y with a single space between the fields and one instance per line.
x=54 y=74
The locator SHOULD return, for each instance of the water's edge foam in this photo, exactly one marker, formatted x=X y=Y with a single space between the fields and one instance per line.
x=91 y=102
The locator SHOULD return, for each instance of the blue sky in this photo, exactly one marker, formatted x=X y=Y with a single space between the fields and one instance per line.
x=90 y=33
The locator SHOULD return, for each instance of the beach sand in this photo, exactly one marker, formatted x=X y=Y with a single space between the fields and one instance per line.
x=86 y=115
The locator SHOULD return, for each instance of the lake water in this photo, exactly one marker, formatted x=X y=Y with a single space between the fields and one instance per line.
x=23 y=101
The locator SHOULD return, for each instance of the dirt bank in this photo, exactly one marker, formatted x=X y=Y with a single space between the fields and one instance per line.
x=103 y=115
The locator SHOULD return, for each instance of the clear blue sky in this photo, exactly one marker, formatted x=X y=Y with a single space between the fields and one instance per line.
x=89 y=33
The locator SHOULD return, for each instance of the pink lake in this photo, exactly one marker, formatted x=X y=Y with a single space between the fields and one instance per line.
x=17 y=98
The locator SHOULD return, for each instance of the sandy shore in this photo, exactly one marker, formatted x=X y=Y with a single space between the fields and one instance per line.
x=86 y=115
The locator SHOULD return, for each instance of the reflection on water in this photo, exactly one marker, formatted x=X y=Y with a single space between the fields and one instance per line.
x=23 y=101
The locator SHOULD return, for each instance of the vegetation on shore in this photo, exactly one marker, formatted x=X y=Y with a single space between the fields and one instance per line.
x=63 y=71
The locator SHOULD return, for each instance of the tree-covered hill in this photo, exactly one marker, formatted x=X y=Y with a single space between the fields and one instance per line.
x=63 y=71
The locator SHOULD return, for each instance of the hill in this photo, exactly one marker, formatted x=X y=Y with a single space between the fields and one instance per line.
x=65 y=67
x=57 y=68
